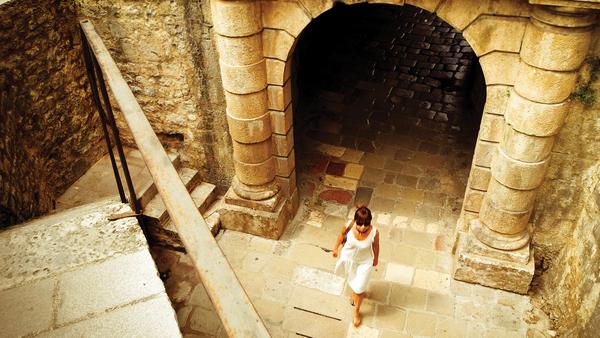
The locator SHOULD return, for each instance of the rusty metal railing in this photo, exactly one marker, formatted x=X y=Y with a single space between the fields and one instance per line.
x=227 y=295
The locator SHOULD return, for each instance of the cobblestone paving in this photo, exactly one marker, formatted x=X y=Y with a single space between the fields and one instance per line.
x=393 y=133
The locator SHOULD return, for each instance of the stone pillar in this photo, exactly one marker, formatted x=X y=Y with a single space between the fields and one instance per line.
x=496 y=251
x=253 y=204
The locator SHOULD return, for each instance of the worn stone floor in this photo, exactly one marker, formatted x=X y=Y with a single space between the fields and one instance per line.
x=411 y=293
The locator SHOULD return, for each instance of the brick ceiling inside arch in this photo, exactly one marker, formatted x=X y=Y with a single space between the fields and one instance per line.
x=385 y=68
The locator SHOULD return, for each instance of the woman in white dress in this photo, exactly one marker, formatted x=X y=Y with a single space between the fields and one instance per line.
x=359 y=255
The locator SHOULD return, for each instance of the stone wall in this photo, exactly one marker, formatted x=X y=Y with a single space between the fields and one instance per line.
x=49 y=134
x=165 y=51
x=567 y=222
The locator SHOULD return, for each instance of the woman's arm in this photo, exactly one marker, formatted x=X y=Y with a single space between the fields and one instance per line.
x=376 y=249
x=338 y=241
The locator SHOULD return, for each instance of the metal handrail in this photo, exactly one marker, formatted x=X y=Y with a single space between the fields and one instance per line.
x=233 y=306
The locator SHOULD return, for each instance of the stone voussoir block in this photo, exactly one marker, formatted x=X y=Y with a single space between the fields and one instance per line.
x=491 y=127
x=277 y=44
x=288 y=16
x=535 y=118
x=497 y=97
x=279 y=97
x=236 y=18
x=287 y=183
x=473 y=200
x=500 y=68
x=544 y=86
x=283 y=144
x=244 y=79
x=250 y=130
x=479 y=178
x=491 y=33
x=518 y=174
x=484 y=153
x=281 y=121
x=278 y=72
x=285 y=164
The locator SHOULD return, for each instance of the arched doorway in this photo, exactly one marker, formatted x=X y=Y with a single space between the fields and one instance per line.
x=526 y=100
x=387 y=104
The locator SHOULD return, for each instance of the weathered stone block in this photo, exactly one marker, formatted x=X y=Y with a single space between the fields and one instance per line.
x=479 y=178
x=247 y=106
x=244 y=79
x=495 y=33
x=500 y=68
x=254 y=221
x=534 y=118
x=544 y=86
x=524 y=147
x=236 y=18
x=491 y=128
x=288 y=16
x=278 y=72
x=287 y=183
x=277 y=44
x=240 y=51
x=280 y=96
x=497 y=99
x=568 y=46
x=518 y=174
x=252 y=152
x=473 y=200
x=283 y=144
x=285 y=164
x=281 y=121
x=250 y=130
x=255 y=173
x=493 y=272
x=510 y=199
x=503 y=221
x=316 y=7
x=484 y=153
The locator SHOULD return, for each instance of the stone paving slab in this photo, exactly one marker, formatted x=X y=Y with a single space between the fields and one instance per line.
x=67 y=240
x=108 y=284
x=144 y=319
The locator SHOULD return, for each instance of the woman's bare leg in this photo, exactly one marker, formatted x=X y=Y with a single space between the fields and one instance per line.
x=358 y=298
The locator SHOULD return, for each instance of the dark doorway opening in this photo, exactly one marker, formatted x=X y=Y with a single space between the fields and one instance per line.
x=387 y=106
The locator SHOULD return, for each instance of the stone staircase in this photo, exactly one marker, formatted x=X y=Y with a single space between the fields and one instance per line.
x=160 y=230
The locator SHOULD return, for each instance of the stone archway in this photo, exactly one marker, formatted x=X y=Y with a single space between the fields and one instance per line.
x=529 y=55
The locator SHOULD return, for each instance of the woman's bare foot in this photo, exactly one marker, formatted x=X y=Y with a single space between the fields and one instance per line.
x=356 y=319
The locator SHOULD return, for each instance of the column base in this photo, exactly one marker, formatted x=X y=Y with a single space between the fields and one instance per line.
x=475 y=262
x=266 y=218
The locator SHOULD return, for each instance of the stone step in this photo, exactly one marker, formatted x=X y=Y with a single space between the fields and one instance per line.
x=156 y=211
x=204 y=195
x=147 y=192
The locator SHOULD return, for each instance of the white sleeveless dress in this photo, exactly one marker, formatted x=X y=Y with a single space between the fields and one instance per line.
x=356 y=260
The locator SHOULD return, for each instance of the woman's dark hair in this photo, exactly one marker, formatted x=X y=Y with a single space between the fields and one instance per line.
x=363 y=216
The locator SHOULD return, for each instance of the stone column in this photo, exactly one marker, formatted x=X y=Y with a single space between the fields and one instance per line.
x=496 y=252
x=253 y=203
